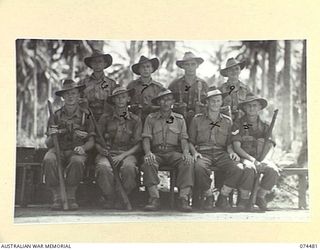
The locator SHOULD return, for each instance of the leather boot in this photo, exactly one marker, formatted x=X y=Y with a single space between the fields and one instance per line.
x=208 y=203
x=262 y=203
x=57 y=203
x=72 y=204
x=153 y=205
x=243 y=205
x=223 y=203
x=185 y=206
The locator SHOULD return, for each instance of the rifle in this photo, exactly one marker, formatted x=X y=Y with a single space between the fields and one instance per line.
x=199 y=105
x=261 y=156
x=57 y=151
x=181 y=107
x=119 y=186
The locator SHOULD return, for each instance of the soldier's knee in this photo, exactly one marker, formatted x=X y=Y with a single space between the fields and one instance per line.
x=129 y=170
x=49 y=157
x=104 y=170
x=77 y=160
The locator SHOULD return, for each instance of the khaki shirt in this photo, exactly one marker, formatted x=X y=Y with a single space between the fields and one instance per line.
x=69 y=126
x=189 y=93
x=245 y=133
x=96 y=93
x=121 y=132
x=144 y=92
x=203 y=132
x=235 y=96
x=167 y=132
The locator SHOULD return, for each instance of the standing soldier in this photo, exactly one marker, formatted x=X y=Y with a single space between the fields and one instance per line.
x=235 y=89
x=98 y=86
x=190 y=88
x=164 y=138
x=211 y=147
x=248 y=136
x=145 y=88
x=122 y=131
x=76 y=137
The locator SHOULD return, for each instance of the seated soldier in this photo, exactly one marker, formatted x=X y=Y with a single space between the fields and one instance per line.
x=165 y=143
x=145 y=88
x=75 y=136
x=122 y=131
x=211 y=147
x=248 y=133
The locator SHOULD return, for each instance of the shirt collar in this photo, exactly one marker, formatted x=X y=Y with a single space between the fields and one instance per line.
x=220 y=116
x=117 y=116
x=159 y=114
x=103 y=77
x=76 y=113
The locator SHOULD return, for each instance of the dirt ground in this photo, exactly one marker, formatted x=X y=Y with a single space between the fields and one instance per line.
x=43 y=214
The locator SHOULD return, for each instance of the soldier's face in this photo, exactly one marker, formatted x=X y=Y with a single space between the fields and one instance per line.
x=97 y=63
x=166 y=102
x=234 y=72
x=252 y=108
x=190 y=67
x=146 y=69
x=121 y=100
x=214 y=103
x=71 y=97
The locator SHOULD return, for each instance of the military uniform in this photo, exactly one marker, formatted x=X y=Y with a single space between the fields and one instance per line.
x=70 y=136
x=211 y=142
x=189 y=93
x=142 y=96
x=121 y=133
x=248 y=136
x=96 y=93
x=165 y=136
x=234 y=97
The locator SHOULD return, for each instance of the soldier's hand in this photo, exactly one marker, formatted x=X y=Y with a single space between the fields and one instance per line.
x=234 y=156
x=81 y=134
x=53 y=130
x=197 y=155
x=187 y=158
x=118 y=158
x=150 y=158
x=79 y=150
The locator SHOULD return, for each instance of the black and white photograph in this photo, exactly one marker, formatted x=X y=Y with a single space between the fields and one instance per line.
x=161 y=130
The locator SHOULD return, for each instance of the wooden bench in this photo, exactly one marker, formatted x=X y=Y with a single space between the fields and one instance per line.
x=302 y=173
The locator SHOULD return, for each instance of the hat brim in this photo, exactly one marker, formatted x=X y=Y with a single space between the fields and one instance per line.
x=179 y=63
x=60 y=92
x=107 y=58
x=262 y=101
x=222 y=94
x=154 y=61
x=155 y=100
x=223 y=72
x=110 y=98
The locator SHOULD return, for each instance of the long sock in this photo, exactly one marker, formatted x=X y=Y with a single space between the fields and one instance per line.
x=244 y=194
x=185 y=192
x=262 y=192
x=208 y=193
x=225 y=190
x=153 y=191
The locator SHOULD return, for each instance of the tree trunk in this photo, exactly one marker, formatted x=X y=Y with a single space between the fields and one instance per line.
x=287 y=97
x=263 y=74
x=35 y=93
x=272 y=68
x=20 y=116
x=302 y=159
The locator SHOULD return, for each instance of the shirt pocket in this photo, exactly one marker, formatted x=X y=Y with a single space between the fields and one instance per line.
x=157 y=135
x=173 y=135
x=221 y=137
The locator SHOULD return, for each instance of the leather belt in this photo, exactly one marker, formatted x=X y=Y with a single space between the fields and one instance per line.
x=161 y=147
x=209 y=147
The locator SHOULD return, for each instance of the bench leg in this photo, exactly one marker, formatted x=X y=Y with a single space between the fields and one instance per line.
x=172 y=184
x=23 y=187
x=302 y=192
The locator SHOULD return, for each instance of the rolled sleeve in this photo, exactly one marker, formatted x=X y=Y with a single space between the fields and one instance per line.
x=137 y=137
x=193 y=131
x=184 y=134
x=147 y=130
x=235 y=133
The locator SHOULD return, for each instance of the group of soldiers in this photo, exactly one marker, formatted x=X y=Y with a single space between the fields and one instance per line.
x=144 y=126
